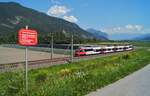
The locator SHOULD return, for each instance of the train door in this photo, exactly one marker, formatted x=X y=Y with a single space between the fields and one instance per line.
x=89 y=51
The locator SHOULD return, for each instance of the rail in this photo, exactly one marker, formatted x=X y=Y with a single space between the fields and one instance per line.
x=32 y=64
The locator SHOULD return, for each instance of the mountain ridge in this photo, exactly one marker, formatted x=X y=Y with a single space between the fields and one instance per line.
x=14 y=16
x=98 y=34
x=143 y=37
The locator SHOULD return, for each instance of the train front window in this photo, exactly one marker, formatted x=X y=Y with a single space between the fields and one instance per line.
x=81 y=50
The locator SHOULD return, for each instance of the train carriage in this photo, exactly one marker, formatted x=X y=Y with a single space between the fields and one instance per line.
x=109 y=49
x=92 y=50
x=119 y=48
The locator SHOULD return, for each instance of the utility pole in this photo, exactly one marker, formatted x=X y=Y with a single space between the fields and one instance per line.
x=26 y=69
x=72 y=48
x=51 y=45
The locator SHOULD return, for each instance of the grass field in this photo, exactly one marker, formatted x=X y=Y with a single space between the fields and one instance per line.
x=74 y=79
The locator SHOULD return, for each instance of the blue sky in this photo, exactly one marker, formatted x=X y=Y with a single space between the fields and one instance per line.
x=112 y=16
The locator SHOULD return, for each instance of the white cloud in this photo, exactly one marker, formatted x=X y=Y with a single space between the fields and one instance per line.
x=72 y=19
x=139 y=27
x=58 y=11
x=129 y=28
x=134 y=27
x=61 y=12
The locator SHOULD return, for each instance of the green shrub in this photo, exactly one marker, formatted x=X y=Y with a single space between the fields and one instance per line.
x=65 y=72
x=41 y=77
x=126 y=56
x=15 y=85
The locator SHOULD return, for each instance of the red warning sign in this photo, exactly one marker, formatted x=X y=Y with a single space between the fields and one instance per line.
x=28 y=37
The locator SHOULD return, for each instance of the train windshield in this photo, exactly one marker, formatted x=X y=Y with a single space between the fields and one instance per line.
x=81 y=50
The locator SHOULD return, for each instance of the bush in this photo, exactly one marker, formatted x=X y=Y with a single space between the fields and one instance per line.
x=41 y=77
x=15 y=86
x=126 y=56
x=65 y=72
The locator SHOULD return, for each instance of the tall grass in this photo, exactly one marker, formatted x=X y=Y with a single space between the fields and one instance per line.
x=74 y=79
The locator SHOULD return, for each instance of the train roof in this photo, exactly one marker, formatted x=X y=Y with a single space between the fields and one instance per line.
x=89 y=47
x=98 y=47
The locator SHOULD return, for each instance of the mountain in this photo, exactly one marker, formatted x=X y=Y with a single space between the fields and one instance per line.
x=143 y=37
x=14 y=16
x=98 y=34
x=147 y=38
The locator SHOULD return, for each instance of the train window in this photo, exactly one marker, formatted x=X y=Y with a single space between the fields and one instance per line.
x=100 y=49
x=103 y=49
x=88 y=50
x=115 y=48
x=109 y=49
x=97 y=50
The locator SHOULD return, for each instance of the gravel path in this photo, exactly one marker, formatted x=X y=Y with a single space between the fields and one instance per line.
x=136 y=84
x=12 y=55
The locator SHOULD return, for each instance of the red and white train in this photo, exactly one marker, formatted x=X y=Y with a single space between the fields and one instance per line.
x=89 y=50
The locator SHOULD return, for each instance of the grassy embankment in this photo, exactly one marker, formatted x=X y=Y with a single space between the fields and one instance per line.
x=75 y=79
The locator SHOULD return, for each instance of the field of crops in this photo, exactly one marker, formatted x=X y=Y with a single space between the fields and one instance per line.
x=74 y=79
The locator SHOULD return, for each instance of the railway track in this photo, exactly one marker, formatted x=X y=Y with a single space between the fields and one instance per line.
x=48 y=62
x=32 y=64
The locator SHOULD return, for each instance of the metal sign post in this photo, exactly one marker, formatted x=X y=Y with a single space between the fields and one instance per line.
x=51 y=45
x=72 y=48
x=27 y=37
x=26 y=69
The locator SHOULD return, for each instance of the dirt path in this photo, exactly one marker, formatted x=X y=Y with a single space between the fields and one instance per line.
x=136 y=84
x=12 y=55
